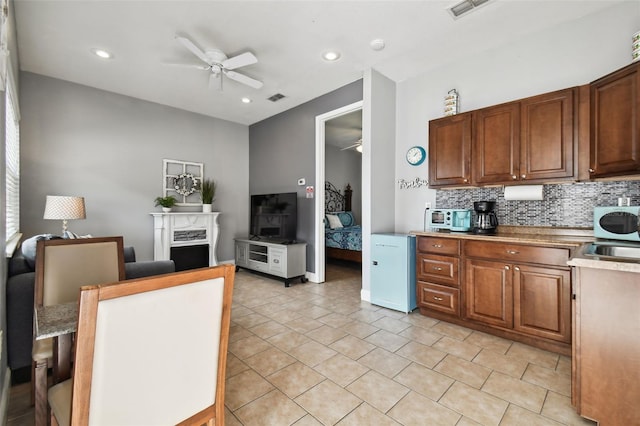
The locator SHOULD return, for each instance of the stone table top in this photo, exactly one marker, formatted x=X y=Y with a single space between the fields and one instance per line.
x=55 y=320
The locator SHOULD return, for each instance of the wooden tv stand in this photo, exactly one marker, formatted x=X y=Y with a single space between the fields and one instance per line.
x=286 y=261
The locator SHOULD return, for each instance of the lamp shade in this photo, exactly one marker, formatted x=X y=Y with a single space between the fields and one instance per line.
x=64 y=208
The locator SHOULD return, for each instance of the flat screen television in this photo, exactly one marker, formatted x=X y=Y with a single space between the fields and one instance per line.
x=274 y=216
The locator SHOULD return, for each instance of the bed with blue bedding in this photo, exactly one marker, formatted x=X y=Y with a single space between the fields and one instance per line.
x=343 y=237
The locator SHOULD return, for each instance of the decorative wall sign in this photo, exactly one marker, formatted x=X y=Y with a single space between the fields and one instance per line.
x=416 y=183
x=182 y=179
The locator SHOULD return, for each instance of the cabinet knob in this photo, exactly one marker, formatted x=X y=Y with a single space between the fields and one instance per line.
x=523 y=176
x=507 y=267
x=591 y=170
x=465 y=180
x=437 y=268
x=512 y=252
x=437 y=245
x=516 y=268
x=514 y=177
x=439 y=299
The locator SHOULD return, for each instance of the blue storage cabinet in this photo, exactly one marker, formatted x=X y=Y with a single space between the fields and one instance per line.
x=393 y=271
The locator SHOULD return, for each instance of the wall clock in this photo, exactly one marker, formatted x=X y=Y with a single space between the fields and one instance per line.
x=416 y=155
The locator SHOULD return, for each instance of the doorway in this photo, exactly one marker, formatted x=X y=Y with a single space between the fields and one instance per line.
x=341 y=122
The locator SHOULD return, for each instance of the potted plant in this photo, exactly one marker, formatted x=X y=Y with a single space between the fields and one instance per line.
x=207 y=194
x=166 y=202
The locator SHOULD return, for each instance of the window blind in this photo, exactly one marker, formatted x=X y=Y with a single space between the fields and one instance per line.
x=12 y=160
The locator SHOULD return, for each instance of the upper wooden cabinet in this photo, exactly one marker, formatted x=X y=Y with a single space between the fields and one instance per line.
x=496 y=143
x=615 y=123
x=531 y=140
x=450 y=151
x=525 y=141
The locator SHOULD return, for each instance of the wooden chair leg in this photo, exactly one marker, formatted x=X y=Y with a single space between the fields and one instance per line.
x=33 y=382
x=40 y=386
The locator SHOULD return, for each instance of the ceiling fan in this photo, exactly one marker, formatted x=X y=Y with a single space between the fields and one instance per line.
x=218 y=64
x=357 y=146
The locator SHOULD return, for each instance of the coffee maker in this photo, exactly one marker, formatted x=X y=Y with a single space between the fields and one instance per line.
x=486 y=221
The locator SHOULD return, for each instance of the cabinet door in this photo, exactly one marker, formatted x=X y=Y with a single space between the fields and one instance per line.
x=439 y=298
x=546 y=138
x=497 y=143
x=450 y=151
x=542 y=302
x=615 y=123
x=489 y=292
x=439 y=269
x=277 y=262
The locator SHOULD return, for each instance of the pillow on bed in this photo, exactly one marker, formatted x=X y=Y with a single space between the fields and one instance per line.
x=334 y=221
x=346 y=218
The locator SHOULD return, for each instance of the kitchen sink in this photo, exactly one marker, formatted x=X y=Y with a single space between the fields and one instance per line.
x=615 y=250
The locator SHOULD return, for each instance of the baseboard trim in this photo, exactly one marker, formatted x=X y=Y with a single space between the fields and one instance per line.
x=4 y=401
x=365 y=295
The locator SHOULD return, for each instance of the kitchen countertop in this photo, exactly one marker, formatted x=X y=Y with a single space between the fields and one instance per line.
x=541 y=235
x=578 y=238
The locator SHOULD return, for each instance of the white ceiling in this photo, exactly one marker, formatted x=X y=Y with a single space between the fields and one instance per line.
x=288 y=37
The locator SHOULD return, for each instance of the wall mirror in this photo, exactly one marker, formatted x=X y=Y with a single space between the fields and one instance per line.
x=182 y=179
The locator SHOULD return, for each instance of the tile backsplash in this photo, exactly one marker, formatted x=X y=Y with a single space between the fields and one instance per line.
x=569 y=205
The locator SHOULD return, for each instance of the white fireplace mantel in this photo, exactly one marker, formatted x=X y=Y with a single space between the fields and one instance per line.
x=181 y=229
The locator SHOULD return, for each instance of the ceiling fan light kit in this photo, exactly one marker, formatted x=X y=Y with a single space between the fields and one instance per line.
x=218 y=64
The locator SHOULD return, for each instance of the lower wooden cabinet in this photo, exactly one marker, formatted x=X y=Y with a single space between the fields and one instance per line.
x=518 y=291
x=489 y=292
x=439 y=298
x=542 y=302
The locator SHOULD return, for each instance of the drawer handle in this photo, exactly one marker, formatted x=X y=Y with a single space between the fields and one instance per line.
x=439 y=299
x=276 y=261
x=437 y=245
x=512 y=252
x=437 y=268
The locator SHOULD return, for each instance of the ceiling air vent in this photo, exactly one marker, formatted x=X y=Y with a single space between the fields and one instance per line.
x=276 y=97
x=465 y=7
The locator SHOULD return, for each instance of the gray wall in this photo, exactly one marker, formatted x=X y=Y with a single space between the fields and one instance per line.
x=109 y=148
x=342 y=168
x=282 y=150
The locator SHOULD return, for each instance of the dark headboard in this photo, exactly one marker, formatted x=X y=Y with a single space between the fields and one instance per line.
x=334 y=200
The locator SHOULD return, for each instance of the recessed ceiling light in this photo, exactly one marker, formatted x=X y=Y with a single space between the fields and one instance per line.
x=377 y=44
x=102 y=53
x=331 y=55
x=246 y=100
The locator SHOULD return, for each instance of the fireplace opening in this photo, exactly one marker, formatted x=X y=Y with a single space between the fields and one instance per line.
x=190 y=257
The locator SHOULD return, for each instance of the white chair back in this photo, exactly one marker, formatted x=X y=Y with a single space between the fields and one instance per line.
x=153 y=351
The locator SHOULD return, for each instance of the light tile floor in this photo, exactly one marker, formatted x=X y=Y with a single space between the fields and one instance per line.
x=316 y=354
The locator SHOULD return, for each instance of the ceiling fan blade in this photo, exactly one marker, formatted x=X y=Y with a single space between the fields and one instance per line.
x=241 y=78
x=195 y=66
x=193 y=48
x=241 y=60
x=352 y=146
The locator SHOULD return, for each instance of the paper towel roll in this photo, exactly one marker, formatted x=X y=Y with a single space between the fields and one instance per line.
x=523 y=192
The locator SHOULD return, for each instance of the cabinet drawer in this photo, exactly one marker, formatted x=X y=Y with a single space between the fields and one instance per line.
x=448 y=246
x=438 y=298
x=516 y=253
x=440 y=269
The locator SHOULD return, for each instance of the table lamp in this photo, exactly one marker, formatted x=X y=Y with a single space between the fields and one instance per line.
x=64 y=208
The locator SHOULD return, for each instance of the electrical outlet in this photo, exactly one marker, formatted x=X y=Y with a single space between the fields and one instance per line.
x=427 y=205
